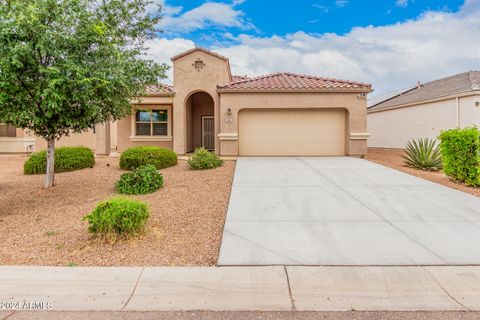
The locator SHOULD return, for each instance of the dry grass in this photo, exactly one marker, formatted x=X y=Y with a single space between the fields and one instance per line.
x=45 y=227
x=393 y=158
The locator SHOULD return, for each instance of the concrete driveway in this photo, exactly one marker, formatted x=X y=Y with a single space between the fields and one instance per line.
x=345 y=211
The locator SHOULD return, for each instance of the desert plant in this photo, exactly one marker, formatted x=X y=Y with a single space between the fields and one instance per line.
x=204 y=159
x=461 y=154
x=135 y=157
x=66 y=159
x=423 y=154
x=118 y=217
x=144 y=179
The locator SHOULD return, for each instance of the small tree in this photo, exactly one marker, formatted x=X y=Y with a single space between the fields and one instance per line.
x=66 y=65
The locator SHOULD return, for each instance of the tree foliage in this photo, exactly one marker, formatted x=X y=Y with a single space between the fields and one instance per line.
x=66 y=65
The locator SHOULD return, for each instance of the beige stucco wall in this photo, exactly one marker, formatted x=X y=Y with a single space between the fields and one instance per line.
x=394 y=128
x=86 y=139
x=356 y=126
x=113 y=135
x=188 y=80
x=17 y=143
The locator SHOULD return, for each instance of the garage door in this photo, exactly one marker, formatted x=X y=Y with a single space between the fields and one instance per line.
x=292 y=132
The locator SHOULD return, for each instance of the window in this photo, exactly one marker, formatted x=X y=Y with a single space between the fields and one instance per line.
x=151 y=122
x=7 y=131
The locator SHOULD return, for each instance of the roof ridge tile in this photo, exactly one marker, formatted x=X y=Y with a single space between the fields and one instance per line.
x=290 y=80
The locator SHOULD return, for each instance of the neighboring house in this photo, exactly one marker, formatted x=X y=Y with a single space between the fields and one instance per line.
x=281 y=114
x=425 y=110
x=13 y=140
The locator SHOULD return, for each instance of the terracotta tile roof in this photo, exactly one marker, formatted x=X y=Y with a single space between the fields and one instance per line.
x=286 y=80
x=159 y=90
x=457 y=84
x=178 y=56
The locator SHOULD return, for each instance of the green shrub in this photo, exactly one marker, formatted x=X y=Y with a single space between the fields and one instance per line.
x=135 y=157
x=66 y=159
x=461 y=154
x=204 y=159
x=145 y=179
x=118 y=217
x=423 y=154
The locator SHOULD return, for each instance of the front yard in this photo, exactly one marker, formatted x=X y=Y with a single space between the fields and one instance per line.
x=393 y=158
x=45 y=227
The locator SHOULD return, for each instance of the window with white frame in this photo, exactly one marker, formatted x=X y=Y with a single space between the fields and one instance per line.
x=152 y=122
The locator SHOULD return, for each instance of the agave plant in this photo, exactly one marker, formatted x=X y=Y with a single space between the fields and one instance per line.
x=423 y=154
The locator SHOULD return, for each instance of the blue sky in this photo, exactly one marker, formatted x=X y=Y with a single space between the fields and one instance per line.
x=391 y=44
x=281 y=17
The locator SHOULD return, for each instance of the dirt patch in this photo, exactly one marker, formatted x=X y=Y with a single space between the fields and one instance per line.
x=45 y=227
x=393 y=158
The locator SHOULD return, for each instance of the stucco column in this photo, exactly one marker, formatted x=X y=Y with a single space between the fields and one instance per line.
x=357 y=131
x=102 y=139
x=179 y=127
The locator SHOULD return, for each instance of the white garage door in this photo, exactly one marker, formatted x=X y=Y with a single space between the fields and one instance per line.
x=292 y=132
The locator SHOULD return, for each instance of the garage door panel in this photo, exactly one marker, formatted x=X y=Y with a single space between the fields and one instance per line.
x=292 y=132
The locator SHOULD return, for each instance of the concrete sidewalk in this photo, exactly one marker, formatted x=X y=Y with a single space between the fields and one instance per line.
x=240 y=288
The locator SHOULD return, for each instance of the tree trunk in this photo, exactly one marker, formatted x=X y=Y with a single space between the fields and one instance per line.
x=50 y=163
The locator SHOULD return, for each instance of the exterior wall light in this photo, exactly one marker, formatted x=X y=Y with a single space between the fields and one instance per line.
x=229 y=111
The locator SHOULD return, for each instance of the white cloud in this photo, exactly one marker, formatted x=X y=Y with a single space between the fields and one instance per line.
x=403 y=3
x=166 y=9
x=341 y=3
x=392 y=57
x=323 y=8
x=209 y=14
x=161 y=50
x=434 y=45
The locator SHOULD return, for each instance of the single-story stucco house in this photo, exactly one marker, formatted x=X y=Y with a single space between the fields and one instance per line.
x=280 y=114
x=425 y=110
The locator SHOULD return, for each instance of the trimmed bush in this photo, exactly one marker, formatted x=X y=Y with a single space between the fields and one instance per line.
x=118 y=217
x=461 y=154
x=204 y=159
x=143 y=180
x=135 y=157
x=66 y=159
x=423 y=154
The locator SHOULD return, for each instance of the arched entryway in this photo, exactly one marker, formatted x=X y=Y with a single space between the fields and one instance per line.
x=200 y=121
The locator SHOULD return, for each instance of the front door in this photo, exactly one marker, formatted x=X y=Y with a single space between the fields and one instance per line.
x=208 y=133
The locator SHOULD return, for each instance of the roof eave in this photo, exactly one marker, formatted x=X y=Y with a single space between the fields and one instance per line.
x=339 y=90
x=160 y=95
x=186 y=53
x=425 y=101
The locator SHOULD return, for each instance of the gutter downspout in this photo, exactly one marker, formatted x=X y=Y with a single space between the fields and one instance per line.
x=458 y=112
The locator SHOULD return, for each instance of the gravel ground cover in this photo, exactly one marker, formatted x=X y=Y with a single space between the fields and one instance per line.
x=393 y=158
x=45 y=227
